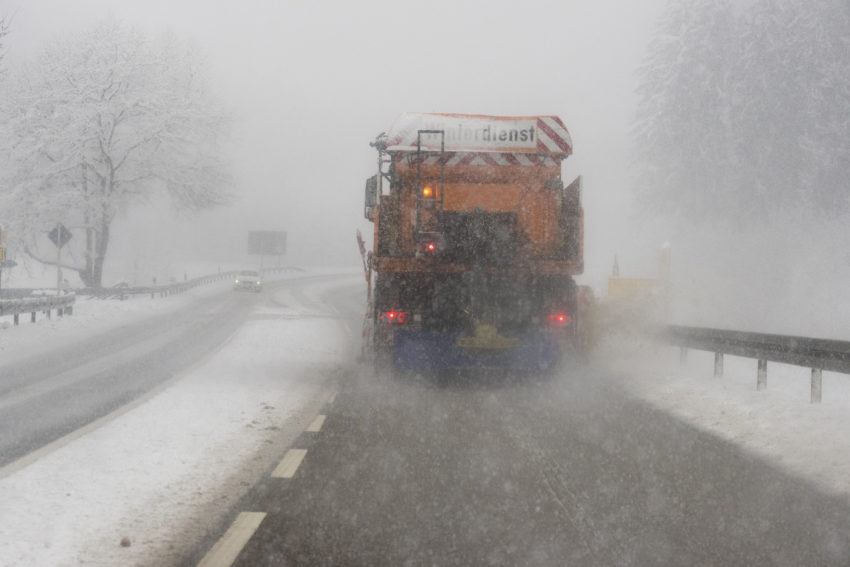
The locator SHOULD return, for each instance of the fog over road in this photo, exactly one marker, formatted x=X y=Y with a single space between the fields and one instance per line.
x=485 y=469
x=481 y=468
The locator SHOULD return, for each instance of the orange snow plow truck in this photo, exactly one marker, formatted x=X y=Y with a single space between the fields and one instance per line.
x=477 y=240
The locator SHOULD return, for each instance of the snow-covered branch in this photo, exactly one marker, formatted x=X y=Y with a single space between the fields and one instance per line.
x=743 y=110
x=108 y=100
x=35 y=256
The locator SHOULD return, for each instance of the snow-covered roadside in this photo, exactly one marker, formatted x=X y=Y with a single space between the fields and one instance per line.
x=95 y=316
x=136 y=477
x=162 y=473
x=91 y=317
x=808 y=440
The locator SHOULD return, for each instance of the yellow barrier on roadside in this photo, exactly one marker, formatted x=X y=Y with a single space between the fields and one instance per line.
x=622 y=288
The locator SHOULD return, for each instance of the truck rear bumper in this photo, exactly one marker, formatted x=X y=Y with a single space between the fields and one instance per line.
x=435 y=350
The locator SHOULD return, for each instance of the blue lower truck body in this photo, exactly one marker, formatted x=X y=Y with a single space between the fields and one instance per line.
x=442 y=350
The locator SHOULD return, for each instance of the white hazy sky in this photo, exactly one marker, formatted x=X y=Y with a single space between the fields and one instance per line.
x=311 y=83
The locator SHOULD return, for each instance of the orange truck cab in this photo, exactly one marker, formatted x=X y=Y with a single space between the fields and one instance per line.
x=476 y=242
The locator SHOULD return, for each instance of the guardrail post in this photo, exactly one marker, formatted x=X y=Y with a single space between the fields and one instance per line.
x=805 y=352
x=761 y=383
x=683 y=355
x=817 y=379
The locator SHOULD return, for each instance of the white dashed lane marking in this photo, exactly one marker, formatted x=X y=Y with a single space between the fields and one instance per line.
x=316 y=426
x=290 y=463
x=227 y=549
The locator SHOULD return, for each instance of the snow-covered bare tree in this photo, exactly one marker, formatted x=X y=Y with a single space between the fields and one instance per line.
x=684 y=150
x=4 y=30
x=794 y=117
x=742 y=146
x=103 y=120
x=744 y=110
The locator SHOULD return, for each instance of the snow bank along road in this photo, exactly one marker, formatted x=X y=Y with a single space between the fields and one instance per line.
x=202 y=399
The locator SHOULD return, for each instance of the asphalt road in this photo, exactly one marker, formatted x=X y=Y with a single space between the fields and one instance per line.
x=49 y=396
x=517 y=470
x=473 y=469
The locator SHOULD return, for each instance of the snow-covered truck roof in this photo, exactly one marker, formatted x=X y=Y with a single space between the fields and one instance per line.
x=540 y=135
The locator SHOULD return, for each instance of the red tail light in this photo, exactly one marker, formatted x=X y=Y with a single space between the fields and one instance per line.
x=431 y=243
x=560 y=320
x=428 y=247
x=394 y=317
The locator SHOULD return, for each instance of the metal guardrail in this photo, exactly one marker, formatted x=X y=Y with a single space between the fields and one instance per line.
x=18 y=292
x=817 y=354
x=20 y=301
x=162 y=290
x=63 y=304
x=165 y=290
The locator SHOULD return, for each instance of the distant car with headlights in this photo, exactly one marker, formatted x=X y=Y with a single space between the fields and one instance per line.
x=248 y=280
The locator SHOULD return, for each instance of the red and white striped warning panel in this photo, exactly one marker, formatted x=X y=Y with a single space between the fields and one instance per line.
x=490 y=158
x=506 y=135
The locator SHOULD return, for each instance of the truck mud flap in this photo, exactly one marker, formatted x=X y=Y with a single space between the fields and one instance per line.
x=435 y=350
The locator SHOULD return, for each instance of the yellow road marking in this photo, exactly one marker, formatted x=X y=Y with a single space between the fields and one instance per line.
x=290 y=463
x=227 y=549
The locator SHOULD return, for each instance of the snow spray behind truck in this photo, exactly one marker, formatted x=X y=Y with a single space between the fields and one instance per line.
x=476 y=243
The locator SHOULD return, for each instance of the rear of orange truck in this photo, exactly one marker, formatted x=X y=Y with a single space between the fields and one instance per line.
x=476 y=242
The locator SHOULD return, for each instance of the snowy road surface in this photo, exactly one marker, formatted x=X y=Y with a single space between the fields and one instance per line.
x=505 y=471
x=630 y=461
x=50 y=395
x=163 y=472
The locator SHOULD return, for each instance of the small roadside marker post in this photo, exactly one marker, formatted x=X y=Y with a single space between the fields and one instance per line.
x=59 y=236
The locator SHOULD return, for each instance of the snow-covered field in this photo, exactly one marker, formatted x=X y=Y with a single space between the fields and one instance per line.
x=132 y=475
